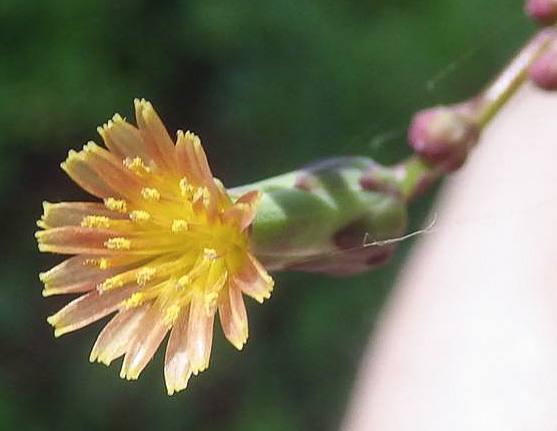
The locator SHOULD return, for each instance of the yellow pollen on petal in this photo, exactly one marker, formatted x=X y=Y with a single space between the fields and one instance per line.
x=210 y=300
x=117 y=205
x=139 y=216
x=171 y=314
x=184 y=281
x=202 y=193
x=136 y=165
x=134 y=301
x=150 y=194
x=101 y=263
x=95 y=221
x=144 y=275
x=210 y=254
x=186 y=189
x=110 y=283
x=118 y=243
x=179 y=225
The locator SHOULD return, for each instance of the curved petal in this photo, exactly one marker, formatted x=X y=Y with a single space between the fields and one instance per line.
x=244 y=209
x=177 y=369
x=253 y=280
x=88 y=308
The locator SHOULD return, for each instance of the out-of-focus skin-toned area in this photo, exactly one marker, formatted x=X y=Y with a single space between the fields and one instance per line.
x=468 y=340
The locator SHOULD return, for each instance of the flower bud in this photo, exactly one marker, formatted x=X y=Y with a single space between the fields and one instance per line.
x=443 y=136
x=543 y=71
x=543 y=11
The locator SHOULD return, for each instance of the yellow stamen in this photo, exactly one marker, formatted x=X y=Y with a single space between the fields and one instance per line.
x=136 y=165
x=202 y=193
x=179 y=225
x=139 y=216
x=184 y=281
x=171 y=314
x=117 y=205
x=134 y=301
x=150 y=194
x=110 y=283
x=209 y=253
x=118 y=243
x=144 y=275
x=186 y=189
x=95 y=222
x=101 y=263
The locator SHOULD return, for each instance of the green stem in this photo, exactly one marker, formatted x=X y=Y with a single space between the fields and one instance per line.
x=505 y=85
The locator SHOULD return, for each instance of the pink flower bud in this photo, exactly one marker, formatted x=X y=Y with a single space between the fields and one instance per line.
x=543 y=71
x=544 y=11
x=443 y=135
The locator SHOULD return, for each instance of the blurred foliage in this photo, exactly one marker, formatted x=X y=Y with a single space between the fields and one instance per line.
x=269 y=86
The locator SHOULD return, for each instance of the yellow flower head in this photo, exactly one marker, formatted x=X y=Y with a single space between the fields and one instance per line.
x=165 y=249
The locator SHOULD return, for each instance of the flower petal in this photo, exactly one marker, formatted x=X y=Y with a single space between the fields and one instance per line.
x=244 y=209
x=187 y=163
x=83 y=273
x=74 y=240
x=125 y=140
x=73 y=213
x=115 y=337
x=155 y=134
x=88 y=308
x=89 y=179
x=148 y=337
x=200 y=335
x=233 y=316
x=253 y=280
x=106 y=165
x=177 y=369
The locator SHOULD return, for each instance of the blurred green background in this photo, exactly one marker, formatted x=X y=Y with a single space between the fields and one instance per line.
x=269 y=86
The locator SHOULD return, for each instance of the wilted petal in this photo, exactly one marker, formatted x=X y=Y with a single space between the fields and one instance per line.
x=177 y=369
